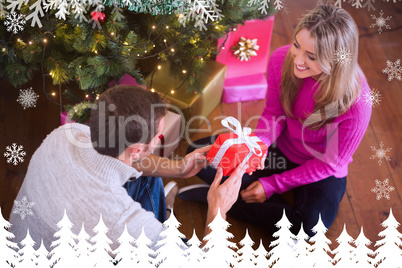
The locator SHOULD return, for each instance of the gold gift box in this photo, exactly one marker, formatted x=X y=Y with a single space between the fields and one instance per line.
x=191 y=104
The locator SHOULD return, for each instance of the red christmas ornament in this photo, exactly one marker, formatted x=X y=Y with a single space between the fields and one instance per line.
x=98 y=16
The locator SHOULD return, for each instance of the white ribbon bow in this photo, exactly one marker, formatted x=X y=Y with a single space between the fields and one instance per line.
x=243 y=137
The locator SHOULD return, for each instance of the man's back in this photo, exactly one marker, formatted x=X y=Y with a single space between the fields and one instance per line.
x=66 y=173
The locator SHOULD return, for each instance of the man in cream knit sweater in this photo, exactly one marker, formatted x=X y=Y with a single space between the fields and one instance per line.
x=100 y=170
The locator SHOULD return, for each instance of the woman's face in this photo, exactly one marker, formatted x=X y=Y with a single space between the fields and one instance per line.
x=304 y=57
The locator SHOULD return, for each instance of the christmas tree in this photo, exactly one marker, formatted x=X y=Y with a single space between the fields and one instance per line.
x=87 y=44
x=63 y=253
x=219 y=250
x=389 y=247
x=125 y=251
x=8 y=253
x=171 y=251
x=27 y=252
x=282 y=253
x=195 y=254
x=362 y=252
x=143 y=255
x=247 y=257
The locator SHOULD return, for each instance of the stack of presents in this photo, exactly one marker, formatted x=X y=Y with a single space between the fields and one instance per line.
x=238 y=74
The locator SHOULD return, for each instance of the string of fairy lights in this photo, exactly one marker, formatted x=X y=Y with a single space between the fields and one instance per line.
x=156 y=31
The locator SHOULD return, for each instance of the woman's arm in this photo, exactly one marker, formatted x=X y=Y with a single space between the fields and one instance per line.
x=350 y=132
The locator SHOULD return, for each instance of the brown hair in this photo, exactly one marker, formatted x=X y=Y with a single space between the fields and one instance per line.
x=333 y=30
x=124 y=115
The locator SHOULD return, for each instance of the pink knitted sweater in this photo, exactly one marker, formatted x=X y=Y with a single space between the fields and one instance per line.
x=320 y=153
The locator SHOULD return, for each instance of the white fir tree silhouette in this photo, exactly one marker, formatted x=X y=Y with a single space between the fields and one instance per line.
x=282 y=254
x=27 y=252
x=124 y=253
x=100 y=251
x=83 y=248
x=362 y=252
x=321 y=246
x=389 y=253
x=42 y=254
x=171 y=246
x=246 y=253
x=261 y=254
x=218 y=247
x=8 y=256
x=63 y=253
x=195 y=255
x=143 y=254
x=345 y=251
x=303 y=248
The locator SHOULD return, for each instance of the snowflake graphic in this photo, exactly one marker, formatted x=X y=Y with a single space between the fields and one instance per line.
x=380 y=22
x=380 y=153
x=343 y=56
x=394 y=70
x=382 y=189
x=14 y=154
x=23 y=207
x=372 y=98
x=14 y=22
x=27 y=98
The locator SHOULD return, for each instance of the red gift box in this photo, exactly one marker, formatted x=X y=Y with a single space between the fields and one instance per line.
x=231 y=149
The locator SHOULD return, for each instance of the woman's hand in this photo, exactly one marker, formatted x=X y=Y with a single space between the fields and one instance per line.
x=254 y=193
x=261 y=165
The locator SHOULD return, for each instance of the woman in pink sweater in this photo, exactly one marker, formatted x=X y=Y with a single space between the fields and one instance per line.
x=316 y=116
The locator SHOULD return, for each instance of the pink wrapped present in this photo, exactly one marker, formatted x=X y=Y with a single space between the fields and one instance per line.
x=125 y=80
x=245 y=88
x=253 y=29
x=64 y=118
x=170 y=138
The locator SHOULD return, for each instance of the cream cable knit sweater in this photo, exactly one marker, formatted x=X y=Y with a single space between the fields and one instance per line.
x=66 y=172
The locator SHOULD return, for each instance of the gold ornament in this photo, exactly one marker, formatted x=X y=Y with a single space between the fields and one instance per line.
x=246 y=48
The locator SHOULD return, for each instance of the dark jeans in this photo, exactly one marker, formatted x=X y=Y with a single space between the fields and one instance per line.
x=149 y=192
x=322 y=197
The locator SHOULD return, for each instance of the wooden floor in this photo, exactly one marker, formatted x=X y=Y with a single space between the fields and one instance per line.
x=359 y=207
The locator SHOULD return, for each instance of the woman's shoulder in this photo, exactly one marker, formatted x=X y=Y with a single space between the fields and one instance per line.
x=279 y=54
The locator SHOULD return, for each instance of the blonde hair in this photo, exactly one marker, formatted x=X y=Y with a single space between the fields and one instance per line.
x=333 y=30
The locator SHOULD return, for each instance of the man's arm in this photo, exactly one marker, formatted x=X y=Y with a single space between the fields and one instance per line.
x=221 y=197
x=157 y=166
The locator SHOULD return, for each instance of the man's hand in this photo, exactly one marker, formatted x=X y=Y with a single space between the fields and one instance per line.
x=254 y=193
x=224 y=195
x=194 y=162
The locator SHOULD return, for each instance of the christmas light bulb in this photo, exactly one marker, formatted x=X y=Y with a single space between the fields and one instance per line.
x=152 y=90
x=184 y=71
x=112 y=33
x=172 y=91
x=172 y=50
x=45 y=40
x=153 y=26
x=30 y=42
x=159 y=67
x=53 y=94
x=164 y=40
x=167 y=27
